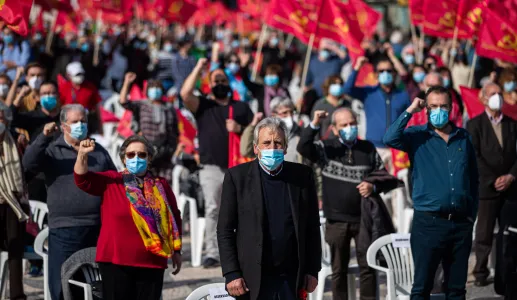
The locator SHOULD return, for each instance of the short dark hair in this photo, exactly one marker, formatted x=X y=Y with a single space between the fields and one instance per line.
x=4 y=76
x=136 y=139
x=47 y=82
x=33 y=65
x=329 y=81
x=440 y=90
x=274 y=69
x=218 y=69
x=383 y=59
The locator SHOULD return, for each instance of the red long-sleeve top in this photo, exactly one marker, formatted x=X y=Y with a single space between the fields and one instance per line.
x=119 y=241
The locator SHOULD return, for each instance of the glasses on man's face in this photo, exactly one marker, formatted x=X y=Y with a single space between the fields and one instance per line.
x=131 y=155
x=385 y=70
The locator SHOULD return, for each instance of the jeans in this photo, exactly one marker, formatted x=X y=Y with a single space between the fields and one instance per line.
x=211 y=179
x=433 y=240
x=62 y=243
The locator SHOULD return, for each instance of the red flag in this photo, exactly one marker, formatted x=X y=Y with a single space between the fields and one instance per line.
x=199 y=3
x=245 y=24
x=416 y=9
x=60 y=5
x=213 y=13
x=296 y=17
x=400 y=160
x=497 y=38
x=471 y=100
x=440 y=17
x=124 y=126
x=39 y=25
x=16 y=15
x=179 y=11
x=469 y=17
x=108 y=116
x=366 y=76
x=234 y=150
x=67 y=21
x=506 y=9
x=254 y=8
x=187 y=132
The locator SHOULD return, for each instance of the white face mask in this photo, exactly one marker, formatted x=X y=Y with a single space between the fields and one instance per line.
x=78 y=79
x=495 y=102
x=35 y=82
x=288 y=122
x=4 y=89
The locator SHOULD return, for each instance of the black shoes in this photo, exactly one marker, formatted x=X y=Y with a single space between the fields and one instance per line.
x=482 y=282
x=211 y=263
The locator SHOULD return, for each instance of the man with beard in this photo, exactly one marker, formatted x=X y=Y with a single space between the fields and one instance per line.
x=216 y=116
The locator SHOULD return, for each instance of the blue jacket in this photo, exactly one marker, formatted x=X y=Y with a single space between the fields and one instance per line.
x=445 y=175
x=376 y=104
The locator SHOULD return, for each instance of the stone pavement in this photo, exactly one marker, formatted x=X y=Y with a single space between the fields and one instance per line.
x=180 y=286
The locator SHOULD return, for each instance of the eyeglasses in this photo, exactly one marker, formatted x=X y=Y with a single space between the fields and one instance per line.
x=131 y=155
x=385 y=70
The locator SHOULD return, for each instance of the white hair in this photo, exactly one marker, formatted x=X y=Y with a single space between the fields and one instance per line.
x=281 y=102
x=271 y=123
x=70 y=107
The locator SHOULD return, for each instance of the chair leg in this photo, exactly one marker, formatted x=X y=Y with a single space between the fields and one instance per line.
x=200 y=234
x=46 y=291
x=320 y=289
x=5 y=279
x=3 y=269
x=351 y=287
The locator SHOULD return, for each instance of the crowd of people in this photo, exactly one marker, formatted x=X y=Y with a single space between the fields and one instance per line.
x=323 y=144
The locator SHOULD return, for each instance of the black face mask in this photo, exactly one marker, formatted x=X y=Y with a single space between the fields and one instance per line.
x=221 y=91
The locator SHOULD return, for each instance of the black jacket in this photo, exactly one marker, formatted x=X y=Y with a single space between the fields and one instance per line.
x=494 y=160
x=375 y=217
x=240 y=229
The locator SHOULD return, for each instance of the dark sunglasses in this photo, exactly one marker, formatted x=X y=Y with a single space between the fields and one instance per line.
x=131 y=155
x=386 y=70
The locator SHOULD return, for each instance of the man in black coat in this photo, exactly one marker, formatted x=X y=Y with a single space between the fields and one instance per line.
x=268 y=229
x=494 y=137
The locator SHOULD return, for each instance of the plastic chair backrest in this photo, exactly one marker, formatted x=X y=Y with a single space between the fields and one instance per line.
x=325 y=248
x=39 y=211
x=39 y=243
x=404 y=176
x=202 y=293
x=176 y=174
x=115 y=150
x=91 y=273
x=399 y=261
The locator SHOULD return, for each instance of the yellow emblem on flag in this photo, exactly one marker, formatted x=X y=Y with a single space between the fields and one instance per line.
x=175 y=7
x=509 y=42
x=2 y=2
x=448 y=20
x=299 y=18
x=341 y=24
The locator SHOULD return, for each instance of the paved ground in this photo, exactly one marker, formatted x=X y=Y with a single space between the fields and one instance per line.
x=178 y=287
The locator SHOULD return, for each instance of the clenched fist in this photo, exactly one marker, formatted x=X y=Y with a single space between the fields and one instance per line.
x=50 y=128
x=417 y=106
x=318 y=116
x=86 y=146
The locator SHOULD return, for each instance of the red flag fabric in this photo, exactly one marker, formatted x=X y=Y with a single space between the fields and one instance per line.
x=124 y=126
x=199 y=3
x=416 y=9
x=16 y=15
x=497 y=38
x=254 y=8
x=469 y=17
x=118 y=6
x=213 y=13
x=187 y=132
x=67 y=21
x=108 y=116
x=506 y=9
x=244 y=24
x=471 y=100
x=39 y=25
x=296 y=17
x=60 y=5
x=366 y=76
x=400 y=160
x=234 y=150
x=440 y=17
x=179 y=11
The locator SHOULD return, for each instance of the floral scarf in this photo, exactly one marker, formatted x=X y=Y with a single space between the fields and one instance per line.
x=152 y=214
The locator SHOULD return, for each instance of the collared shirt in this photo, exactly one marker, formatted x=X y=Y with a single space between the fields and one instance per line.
x=272 y=173
x=19 y=54
x=445 y=174
x=495 y=121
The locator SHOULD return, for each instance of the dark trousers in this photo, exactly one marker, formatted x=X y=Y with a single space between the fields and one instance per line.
x=434 y=240
x=277 y=287
x=62 y=243
x=11 y=238
x=127 y=283
x=339 y=235
x=489 y=211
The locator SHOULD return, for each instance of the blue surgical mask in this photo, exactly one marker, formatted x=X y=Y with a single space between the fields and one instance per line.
x=233 y=68
x=273 y=42
x=324 y=54
x=509 y=86
x=418 y=77
x=143 y=46
x=439 y=117
x=446 y=82
x=79 y=130
x=99 y=40
x=219 y=35
x=271 y=159
x=85 y=47
x=136 y=165
x=271 y=80
x=336 y=90
x=348 y=133
x=235 y=44
x=73 y=45
x=8 y=39
x=168 y=48
x=154 y=93
x=48 y=102
x=409 y=59
x=38 y=37
x=385 y=78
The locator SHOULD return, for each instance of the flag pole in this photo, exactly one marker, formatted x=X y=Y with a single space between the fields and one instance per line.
x=259 y=52
x=50 y=36
x=289 y=41
x=472 y=70
x=97 y=35
x=454 y=42
x=414 y=38
x=281 y=38
x=421 y=46
x=307 y=60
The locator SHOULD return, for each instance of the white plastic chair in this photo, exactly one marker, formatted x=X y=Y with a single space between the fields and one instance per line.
x=114 y=151
x=326 y=269
x=91 y=275
x=197 y=224
x=42 y=250
x=39 y=210
x=400 y=270
x=404 y=204
x=203 y=292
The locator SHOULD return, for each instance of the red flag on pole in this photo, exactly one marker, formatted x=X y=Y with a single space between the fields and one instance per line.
x=61 y=5
x=234 y=147
x=416 y=9
x=67 y=21
x=179 y=11
x=471 y=100
x=187 y=132
x=254 y=8
x=497 y=38
x=16 y=13
x=213 y=13
x=400 y=160
x=440 y=17
x=469 y=17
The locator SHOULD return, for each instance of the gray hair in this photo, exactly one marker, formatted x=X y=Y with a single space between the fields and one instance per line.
x=340 y=110
x=70 y=107
x=484 y=88
x=136 y=139
x=281 y=102
x=271 y=123
x=8 y=114
x=433 y=73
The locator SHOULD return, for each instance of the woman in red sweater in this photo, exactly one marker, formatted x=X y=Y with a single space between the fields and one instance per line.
x=141 y=223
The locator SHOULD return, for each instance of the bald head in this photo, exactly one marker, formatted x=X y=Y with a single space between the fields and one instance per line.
x=433 y=79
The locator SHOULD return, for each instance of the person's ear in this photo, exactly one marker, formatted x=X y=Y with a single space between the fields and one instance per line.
x=256 y=150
